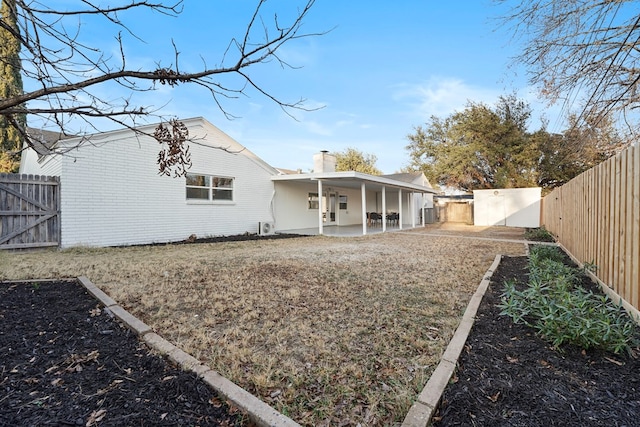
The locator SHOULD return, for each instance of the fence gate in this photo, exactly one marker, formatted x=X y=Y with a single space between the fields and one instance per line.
x=456 y=212
x=29 y=211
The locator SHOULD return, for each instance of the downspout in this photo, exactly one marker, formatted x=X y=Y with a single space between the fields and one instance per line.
x=272 y=207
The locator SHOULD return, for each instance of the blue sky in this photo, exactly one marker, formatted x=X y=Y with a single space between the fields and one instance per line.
x=385 y=68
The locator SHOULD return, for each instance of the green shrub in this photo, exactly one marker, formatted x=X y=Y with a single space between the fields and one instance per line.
x=538 y=253
x=564 y=313
x=539 y=235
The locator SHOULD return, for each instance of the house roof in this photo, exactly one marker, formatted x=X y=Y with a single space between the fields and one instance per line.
x=352 y=179
x=405 y=176
x=283 y=171
x=414 y=177
x=44 y=140
x=52 y=141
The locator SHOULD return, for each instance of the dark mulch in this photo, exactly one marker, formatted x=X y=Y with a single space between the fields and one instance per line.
x=509 y=377
x=65 y=362
x=232 y=238
x=244 y=237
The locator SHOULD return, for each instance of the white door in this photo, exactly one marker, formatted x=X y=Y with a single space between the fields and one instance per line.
x=329 y=203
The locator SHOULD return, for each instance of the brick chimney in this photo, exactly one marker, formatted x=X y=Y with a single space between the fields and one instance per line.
x=324 y=162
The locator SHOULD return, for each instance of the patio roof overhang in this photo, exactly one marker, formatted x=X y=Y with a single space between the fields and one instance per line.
x=363 y=181
x=352 y=179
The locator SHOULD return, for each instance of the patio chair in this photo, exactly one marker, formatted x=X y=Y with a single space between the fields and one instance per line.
x=375 y=218
x=393 y=218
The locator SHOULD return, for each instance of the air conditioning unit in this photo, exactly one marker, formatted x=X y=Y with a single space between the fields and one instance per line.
x=266 y=228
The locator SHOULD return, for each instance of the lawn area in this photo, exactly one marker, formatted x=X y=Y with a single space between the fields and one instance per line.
x=329 y=331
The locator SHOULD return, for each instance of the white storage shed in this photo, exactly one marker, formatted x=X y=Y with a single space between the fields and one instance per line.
x=512 y=207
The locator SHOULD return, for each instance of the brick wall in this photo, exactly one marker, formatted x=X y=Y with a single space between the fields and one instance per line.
x=112 y=193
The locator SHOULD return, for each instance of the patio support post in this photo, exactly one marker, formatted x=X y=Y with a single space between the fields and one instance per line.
x=384 y=208
x=320 y=208
x=412 y=198
x=400 y=209
x=424 y=212
x=363 y=191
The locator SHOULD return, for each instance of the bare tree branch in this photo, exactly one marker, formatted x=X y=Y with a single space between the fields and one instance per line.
x=66 y=71
x=584 y=53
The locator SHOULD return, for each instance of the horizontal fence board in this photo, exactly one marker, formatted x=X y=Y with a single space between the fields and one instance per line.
x=33 y=245
x=596 y=216
x=28 y=213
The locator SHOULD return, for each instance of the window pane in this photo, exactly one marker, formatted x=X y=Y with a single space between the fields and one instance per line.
x=197 y=193
x=222 y=195
x=343 y=202
x=313 y=200
x=198 y=180
x=222 y=182
x=207 y=187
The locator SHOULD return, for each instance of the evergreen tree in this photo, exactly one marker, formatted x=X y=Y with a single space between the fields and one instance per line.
x=10 y=86
x=483 y=147
x=478 y=148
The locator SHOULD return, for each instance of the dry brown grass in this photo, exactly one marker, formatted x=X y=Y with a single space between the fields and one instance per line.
x=334 y=331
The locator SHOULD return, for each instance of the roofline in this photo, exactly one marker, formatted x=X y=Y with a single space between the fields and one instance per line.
x=149 y=128
x=364 y=177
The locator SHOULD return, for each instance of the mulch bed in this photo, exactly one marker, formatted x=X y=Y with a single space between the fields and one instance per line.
x=509 y=377
x=232 y=238
x=64 y=361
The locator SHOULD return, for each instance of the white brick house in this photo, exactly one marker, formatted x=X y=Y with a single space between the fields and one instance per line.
x=112 y=194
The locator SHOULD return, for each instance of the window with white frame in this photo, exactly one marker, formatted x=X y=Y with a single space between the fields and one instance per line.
x=342 y=202
x=314 y=201
x=209 y=187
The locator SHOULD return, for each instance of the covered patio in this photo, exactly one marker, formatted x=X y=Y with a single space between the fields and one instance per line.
x=347 y=203
x=343 y=231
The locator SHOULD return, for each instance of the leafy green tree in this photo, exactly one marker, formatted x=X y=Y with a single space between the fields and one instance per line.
x=10 y=86
x=355 y=160
x=478 y=148
x=581 y=147
x=483 y=147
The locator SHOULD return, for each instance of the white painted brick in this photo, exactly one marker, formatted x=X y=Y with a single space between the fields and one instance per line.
x=113 y=195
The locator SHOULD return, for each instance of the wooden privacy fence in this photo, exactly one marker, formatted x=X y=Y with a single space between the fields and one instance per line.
x=596 y=216
x=29 y=211
x=456 y=212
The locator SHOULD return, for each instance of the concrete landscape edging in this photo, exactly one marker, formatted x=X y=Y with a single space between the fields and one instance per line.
x=419 y=415
x=259 y=412
x=425 y=406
